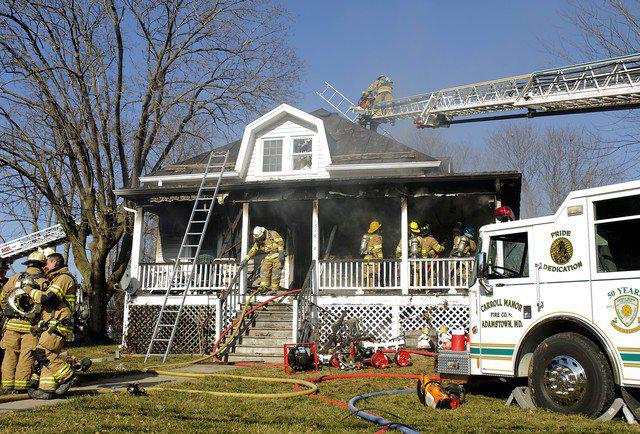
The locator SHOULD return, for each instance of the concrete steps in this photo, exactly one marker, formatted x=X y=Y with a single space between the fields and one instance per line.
x=265 y=335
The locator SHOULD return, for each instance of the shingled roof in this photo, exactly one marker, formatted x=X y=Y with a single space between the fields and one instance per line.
x=349 y=143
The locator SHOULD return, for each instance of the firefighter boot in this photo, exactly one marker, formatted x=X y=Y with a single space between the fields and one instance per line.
x=40 y=394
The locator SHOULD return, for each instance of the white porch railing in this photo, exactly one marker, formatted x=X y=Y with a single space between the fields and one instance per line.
x=440 y=273
x=209 y=276
x=359 y=274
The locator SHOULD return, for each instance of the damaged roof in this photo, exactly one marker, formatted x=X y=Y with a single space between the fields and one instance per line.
x=348 y=142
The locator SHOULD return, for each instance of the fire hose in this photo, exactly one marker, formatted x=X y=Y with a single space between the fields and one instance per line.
x=378 y=419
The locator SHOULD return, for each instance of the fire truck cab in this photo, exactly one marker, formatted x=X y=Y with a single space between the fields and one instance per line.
x=556 y=299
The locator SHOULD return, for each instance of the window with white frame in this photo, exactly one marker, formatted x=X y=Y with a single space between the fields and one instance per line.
x=302 y=153
x=617 y=234
x=272 y=155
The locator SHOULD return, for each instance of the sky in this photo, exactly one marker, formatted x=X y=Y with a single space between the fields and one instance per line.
x=428 y=45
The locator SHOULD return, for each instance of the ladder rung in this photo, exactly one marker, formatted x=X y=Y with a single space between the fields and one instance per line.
x=170 y=311
x=190 y=245
x=160 y=340
x=195 y=233
x=205 y=210
x=165 y=325
x=198 y=221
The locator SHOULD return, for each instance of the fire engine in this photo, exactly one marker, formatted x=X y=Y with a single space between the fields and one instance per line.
x=555 y=299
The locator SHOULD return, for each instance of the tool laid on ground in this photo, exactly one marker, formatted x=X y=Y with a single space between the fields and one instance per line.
x=432 y=393
x=300 y=357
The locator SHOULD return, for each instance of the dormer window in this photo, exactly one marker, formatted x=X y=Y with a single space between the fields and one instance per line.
x=302 y=153
x=272 y=155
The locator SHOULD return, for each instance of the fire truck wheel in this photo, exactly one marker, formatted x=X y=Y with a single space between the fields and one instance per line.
x=569 y=374
x=380 y=360
x=402 y=358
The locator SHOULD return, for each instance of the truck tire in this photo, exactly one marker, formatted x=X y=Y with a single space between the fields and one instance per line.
x=570 y=375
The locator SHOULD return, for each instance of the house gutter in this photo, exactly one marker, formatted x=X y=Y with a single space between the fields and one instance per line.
x=383 y=166
x=160 y=179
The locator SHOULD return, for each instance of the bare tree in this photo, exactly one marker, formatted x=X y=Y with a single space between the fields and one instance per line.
x=95 y=92
x=606 y=28
x=553 y=162
x=463 y=157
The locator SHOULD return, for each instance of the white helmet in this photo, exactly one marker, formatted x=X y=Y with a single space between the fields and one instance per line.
x=258 y=231
x=48 y=251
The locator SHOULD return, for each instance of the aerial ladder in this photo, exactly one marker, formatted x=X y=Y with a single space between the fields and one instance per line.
x=47 y=237
x=603 y=85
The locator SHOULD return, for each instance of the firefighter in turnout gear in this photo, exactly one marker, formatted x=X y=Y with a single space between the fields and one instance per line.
x=271 y=243
x=415 y=243
x=21 y=314
x=431 y=248
x=371 y=248
x=464 y=247
x=55 y=328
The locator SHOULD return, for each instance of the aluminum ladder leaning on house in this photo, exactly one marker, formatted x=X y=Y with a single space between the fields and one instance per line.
x=169 y=316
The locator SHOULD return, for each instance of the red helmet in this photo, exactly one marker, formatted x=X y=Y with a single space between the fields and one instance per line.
x=504 y=214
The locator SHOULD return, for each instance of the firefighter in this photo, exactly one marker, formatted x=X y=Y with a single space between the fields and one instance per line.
x=55 y=328
x=463 y=245
x=371 y=248
x=380 y=90
x=21 y=314
x=271 y=243
x=415 y=242
x=431 y=248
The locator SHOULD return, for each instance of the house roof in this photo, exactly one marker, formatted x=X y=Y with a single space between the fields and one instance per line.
x=348 y=142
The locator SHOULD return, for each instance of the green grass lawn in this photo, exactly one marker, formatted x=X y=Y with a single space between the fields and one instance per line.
x=174 y=411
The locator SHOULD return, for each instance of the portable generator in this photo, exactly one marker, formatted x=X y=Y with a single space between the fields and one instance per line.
x=300 y=357
x=432 y=393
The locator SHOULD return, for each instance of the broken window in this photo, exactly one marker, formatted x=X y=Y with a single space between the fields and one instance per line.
x=272 y=155
x=302 y=153
x=617 y=234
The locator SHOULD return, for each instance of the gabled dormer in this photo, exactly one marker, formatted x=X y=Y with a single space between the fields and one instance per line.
x=285 y=143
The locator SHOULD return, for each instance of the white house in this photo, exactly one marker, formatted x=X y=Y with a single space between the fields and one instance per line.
x=318 y=180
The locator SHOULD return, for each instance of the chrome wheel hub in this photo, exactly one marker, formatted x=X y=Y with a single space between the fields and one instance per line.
x=565 y=380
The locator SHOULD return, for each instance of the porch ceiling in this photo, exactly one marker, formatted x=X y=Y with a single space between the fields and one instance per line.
x=505 y=184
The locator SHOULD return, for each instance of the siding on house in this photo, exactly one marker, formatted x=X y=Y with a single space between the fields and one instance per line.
x=288 y=129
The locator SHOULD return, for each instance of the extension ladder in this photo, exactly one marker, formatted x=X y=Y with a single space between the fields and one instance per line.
x=593 y=86
x=164 y=331
x=22 y=246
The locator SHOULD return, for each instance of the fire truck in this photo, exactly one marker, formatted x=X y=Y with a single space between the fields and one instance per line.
x=555 y=299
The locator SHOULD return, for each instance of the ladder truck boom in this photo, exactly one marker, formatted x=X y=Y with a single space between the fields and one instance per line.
x=610 y=84
x=22 y=246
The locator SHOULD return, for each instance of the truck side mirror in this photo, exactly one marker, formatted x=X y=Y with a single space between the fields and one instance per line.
x=481 y=265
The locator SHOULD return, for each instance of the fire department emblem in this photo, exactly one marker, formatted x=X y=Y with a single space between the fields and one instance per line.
x=561 y=250
x=626 y=307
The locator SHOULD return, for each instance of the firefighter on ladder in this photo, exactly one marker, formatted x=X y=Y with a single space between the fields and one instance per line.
x=21 y=314
x=271 y=243
x=381 y=90
x=55 y=328
x=371 y=248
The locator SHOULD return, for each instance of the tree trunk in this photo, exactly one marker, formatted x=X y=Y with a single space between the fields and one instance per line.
x=98 y=301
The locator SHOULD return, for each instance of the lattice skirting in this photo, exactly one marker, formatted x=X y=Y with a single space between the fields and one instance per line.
x=195 y=333
x=385 y=322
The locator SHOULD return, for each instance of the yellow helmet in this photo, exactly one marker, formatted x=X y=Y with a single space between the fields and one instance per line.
x=374 y=226
x=37 y=256
x=414 y=227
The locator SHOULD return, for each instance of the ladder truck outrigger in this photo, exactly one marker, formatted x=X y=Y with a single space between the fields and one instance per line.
x=554 y=300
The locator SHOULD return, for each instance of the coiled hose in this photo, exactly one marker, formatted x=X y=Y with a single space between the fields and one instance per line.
x=379 y=420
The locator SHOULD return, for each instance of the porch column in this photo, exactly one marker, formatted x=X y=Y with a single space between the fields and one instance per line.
x=134 y=270
x=404 y=265
x=315 y=241
x=244 y=249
